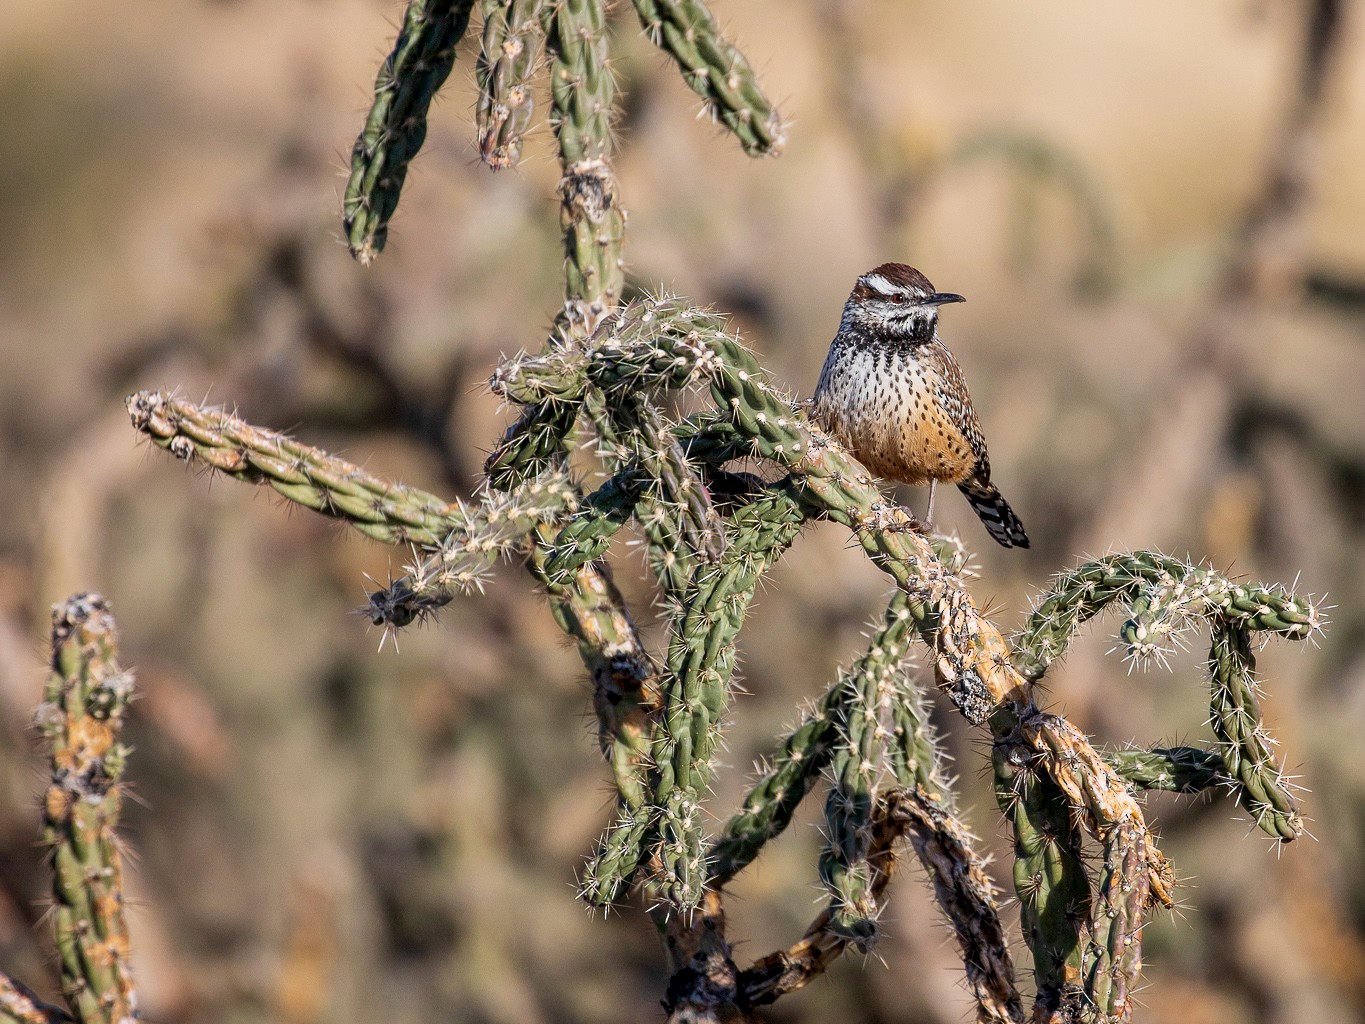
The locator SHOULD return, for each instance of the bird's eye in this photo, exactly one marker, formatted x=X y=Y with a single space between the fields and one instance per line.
x=898 y=299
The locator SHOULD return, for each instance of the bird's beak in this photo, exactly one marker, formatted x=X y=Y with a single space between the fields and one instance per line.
x=942 y=298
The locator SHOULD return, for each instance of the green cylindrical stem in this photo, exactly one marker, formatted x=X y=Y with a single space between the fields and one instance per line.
x=715 y=70
x=701 y=661
x=532 y=445
x=1246 y=749
x=1170 y=769
x=477 y=536
x=1049 y=873
x=513 y=39
x=877 y=694
x=1161 y=589
x=611 y=871
x=1186 y=592
x=1113 y=957
x=397 y=124
x=583 y=94
x=81 y=718
x=768 y=808
x=586 y=535
x=300 y=473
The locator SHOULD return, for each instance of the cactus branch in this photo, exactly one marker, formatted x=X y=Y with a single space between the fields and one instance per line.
x=715 y=70
x=1244 y=744
x=701 y=661
x=964 y=892
x=304 y=475
x=582 y=93
x=18 y=1005
x=1170 y=769
x=513 y=40
x=396 y=127
x=81 y=716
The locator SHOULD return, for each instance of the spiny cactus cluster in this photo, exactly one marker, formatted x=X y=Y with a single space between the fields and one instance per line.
x=610 y=379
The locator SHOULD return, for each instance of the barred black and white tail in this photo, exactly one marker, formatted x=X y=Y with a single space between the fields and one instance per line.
x=995 y=513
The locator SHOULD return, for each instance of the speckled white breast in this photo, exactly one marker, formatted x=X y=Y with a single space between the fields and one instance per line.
x=886 y=405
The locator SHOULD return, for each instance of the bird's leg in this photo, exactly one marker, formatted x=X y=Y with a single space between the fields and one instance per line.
x=929 y=514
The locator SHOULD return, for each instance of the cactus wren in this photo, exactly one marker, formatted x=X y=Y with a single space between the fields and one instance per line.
x=894 y=395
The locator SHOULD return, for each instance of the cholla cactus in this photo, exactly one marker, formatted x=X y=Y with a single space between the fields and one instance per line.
x=80 y=720
x=1087 y=871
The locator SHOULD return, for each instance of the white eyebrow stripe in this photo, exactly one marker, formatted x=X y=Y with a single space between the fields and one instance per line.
x=882 y=285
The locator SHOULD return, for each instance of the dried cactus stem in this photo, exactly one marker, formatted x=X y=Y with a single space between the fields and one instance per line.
x=396 y=127
x=788 y=970
x=964 y=892
x=19 y=1005
x=84 y=703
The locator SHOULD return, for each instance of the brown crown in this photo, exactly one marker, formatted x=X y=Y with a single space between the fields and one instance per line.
x=898 y=274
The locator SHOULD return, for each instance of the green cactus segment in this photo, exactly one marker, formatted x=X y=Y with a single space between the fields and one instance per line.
x=612 y=869
x=875 y=690
x=513 y=39
x=532 y=445
x=585 y=536
x=304 y=475
x=715 y=70
x=1246 y=749
x=1164 y=593
x=1113 y=957
x=701 y=662
x=1049 y=875
x=589 y=608
x=583 y=94
x=19 y=1005
x=81 y=717
x=965 y=894
x=768 y=808
x=397 y=124
x=1179 y=597
x=676 y=489
x=477 y=537
x=1170 y=769
x=649 y=346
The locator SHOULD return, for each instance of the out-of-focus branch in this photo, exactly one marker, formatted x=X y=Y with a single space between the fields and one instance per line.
x=18 y=1005
x=81 y=718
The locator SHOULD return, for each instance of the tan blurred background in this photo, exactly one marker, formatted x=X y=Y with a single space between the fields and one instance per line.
x=1167 y=351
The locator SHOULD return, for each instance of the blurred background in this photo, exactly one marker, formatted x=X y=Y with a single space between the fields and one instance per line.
x=1156 y=212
